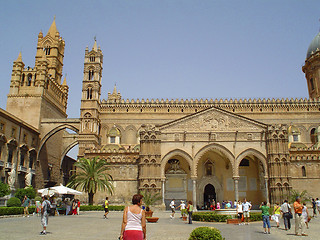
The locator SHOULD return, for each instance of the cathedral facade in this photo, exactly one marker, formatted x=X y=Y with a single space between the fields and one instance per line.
x=195 y=149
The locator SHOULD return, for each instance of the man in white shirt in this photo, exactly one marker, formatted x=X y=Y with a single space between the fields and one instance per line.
x=318 y=204
x=246 y=206
x=172 y=206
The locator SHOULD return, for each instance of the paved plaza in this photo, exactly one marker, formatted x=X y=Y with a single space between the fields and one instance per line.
x=90 y=225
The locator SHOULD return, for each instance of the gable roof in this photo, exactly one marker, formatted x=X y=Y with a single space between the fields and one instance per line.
x=213 y=119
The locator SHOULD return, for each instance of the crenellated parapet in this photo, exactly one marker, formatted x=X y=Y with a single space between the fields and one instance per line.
x=308 y=154
x=195 y=105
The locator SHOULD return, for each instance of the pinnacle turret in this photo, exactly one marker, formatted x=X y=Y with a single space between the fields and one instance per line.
x=95 y=48
x=19 y=59
x=53 y=28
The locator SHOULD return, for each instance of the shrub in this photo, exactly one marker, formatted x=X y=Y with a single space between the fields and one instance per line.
x=205 y=233
x=14 y=202
x=14 y=210
x=209 y=217
x=100 y=208
x=213 y=217
x=29 y=191
x=255 y=217
x=4 y=189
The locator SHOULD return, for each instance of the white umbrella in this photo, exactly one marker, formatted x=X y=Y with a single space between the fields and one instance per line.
x=47 y=192
x=65 y=190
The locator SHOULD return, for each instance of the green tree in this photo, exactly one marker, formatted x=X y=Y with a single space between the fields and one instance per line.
x=29 y=191
x=91 y=176
x=304 y=196
x=4 y=189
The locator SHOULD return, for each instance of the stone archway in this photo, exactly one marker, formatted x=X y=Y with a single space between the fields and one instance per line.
x=173 y=154
x=209 y=195
x=176 y=176
x=223 y=151
x=54 y=144
x=262 y=158
x=252 y=174
x=55 y=130
x=202 y=183
x=214 y=165
x=66 y=162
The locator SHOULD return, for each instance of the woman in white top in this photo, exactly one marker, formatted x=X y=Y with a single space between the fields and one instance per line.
x=239 y=212
x=305 y=214
x=134 y=221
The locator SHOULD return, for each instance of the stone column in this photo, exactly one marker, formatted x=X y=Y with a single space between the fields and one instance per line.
x=194 y=194
x=163 y=189
x=236 y=187
x=266 y=185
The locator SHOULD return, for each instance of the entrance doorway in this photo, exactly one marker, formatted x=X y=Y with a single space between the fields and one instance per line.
x=209 y=195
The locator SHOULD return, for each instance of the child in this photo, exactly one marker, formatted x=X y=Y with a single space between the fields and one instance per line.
x=305 y=214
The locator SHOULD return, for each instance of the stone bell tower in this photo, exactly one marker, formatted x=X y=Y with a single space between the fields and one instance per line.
x=90 y=99
x=37 y=93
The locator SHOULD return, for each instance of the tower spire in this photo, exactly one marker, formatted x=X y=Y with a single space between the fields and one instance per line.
x=65 y=81
x=19 y=59
x=95 y=48
x=115 y=89
x=53 y=28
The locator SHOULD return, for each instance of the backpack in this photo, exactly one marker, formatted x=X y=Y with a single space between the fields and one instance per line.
x=48 y=207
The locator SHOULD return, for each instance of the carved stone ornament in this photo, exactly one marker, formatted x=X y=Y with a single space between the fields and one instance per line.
x=212 y=120
x=175 y=167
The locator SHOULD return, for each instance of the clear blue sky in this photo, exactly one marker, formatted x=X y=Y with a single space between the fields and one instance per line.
x=170 y=49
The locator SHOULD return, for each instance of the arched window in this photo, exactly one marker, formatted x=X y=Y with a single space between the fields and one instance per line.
x=91 y=74
x=22 y=155
x=313 y=136
x=10 y=155
x=22 y=79
x=32 y=158
x=87 y=121
x=294 y=134
x=29 y=79
x=311 y=83
x=23 y=151
x=46 y=50
x=92 y=59
x=89 y=93
x=114 y=135
x=209 y=168
x=304 y=173
x=244 y=163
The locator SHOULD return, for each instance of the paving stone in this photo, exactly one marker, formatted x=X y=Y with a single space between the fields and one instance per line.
x=91 y=225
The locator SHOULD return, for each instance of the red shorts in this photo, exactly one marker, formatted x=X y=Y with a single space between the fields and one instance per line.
x=133 y=235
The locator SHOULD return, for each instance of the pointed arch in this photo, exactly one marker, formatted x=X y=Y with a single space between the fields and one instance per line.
x=65 y=152
x=54 y=131
x=174 y=153
x=130 y=135
x=262 y=158
x=215 y=148
x=47 y=47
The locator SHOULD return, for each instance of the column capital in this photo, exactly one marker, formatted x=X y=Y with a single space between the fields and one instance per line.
x=194 y=178
x=236 y=177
